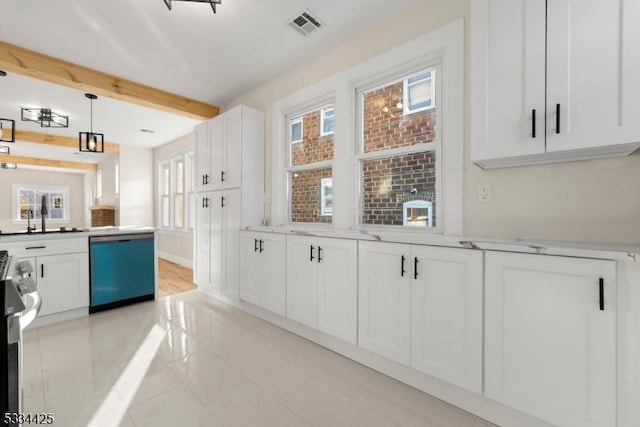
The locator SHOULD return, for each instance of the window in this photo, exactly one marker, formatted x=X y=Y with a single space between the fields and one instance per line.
x=326 y=196
x=28 y=202
x=398 y=154
x=326 y=122
x=163 y=179
x=419 y=92
x=175 y=193
x=296 y=130
x=310 y=164
x=398 y=158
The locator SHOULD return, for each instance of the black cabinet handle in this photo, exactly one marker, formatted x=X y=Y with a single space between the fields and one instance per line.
x=205 y=179
x=36 y=247
x=415 y=267
x=261 y=243
x=222 y=202
x=557 y=118
x=222 y=176
x=311 y=253
x=402 y=259
x=205 y=202
x=533 y=123
x=601 y=294
x=319 y=254
x=41 y=270
x=255 y=245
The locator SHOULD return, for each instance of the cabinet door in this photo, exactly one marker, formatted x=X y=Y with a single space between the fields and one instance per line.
x=338 y=288
x=216 y=140
x=250 y=274
x=64 y=282
x=232 y=167
x=202 y=245
x=593 y=74
x=507 y=78
x=203 y=156
x=230 y=255
x=446 y=314
x=302 y=280
x=384 y=300
x=550 y=347
x=271 y=250
x=216 y=257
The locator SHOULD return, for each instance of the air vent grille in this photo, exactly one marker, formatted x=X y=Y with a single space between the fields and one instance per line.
x=305 y=23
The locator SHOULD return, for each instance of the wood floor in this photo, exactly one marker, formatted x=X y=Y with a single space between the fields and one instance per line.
x=173 y=278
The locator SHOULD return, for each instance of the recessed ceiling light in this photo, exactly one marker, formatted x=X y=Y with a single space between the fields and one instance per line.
x=147 y=130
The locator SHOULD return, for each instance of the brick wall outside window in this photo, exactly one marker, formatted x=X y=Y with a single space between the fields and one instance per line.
x=305 y=195
x=313 y=147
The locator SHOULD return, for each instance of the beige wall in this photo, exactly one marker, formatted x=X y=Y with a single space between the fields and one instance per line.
x=75 y=182
x=136 y=186
x=596 y=200
x=175 y=246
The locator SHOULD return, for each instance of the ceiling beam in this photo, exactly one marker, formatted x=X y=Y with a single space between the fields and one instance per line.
x=60 y=141
x=33 y=64
x=47 y=162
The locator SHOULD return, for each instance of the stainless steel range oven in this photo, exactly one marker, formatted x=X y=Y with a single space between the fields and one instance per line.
x=21 y=303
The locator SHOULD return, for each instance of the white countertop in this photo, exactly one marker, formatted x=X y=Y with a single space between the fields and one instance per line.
x=593 y=249
x=87 y=232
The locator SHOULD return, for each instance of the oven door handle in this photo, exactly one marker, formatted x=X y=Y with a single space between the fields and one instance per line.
x=33 y=302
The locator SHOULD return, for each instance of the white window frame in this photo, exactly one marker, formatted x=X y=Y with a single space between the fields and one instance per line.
x=188 y=200
x=162 y=195
x=322 y=119
x=117 y=178
x=444 y=45
x=99 y=187
x=66 y=209
x=406 y=106
x=434 y=63
x=294 y=121
x=299 y=112
x=324 y=209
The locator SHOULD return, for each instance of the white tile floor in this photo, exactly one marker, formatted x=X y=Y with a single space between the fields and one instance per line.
x=189 y=360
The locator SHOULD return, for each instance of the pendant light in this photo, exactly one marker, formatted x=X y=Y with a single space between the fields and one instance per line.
x=89 y=141
x=7 y=130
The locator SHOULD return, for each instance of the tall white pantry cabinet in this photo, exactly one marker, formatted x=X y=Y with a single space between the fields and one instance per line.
x=229 y=177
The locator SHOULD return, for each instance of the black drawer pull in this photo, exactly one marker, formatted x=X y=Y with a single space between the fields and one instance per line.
x=415 y=267
x=222 y=202
x=402 y=271
x=261 y=243
x=601 y=294
x=41 y=270
x=319 y=254
x=557 y=118
x=255 y=245
x=533 y=123
x=222 y=176
x=311 y=258
x=36 y=247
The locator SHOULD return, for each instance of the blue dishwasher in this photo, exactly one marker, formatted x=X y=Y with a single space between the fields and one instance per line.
x=122 y=270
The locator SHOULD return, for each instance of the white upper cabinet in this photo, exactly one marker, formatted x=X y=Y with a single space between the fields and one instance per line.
x=578 y=56
x=203 y=156
x=550 y=337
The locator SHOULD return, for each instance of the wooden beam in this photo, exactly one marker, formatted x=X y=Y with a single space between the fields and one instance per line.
x=60 y=141
x=47 y=162
x=33 y=64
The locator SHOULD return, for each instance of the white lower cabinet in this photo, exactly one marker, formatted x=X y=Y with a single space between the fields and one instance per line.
x=422 y=306
x=262 y=277
x=62 y=281
x=550 y=337
x=322 y=284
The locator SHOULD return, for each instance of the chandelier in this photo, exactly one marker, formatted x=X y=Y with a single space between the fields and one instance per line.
x=213 y=3
x=46 y=117
x=89 y=141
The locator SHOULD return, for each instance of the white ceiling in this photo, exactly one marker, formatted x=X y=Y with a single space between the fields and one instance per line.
x=188 y=51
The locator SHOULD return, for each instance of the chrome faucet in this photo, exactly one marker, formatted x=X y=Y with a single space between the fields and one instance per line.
x=29 y=216
x=43 y=212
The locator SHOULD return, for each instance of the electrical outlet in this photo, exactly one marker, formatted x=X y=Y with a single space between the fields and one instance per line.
x=484 y=193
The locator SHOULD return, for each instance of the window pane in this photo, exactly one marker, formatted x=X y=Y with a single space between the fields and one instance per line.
x=314 y=147
x=192 y=210
x=178 y=211
x=179 y=177
x=384 y=126
x=296 y=130
x=306 y=191
x=391 y=186
x=165 y=211
x=327 y=121
x=165 y=179
x=326 y=196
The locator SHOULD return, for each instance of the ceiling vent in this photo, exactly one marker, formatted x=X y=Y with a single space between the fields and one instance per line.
x=305 y=23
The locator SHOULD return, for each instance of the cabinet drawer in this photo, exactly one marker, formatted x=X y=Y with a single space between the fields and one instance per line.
x=46 y=247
